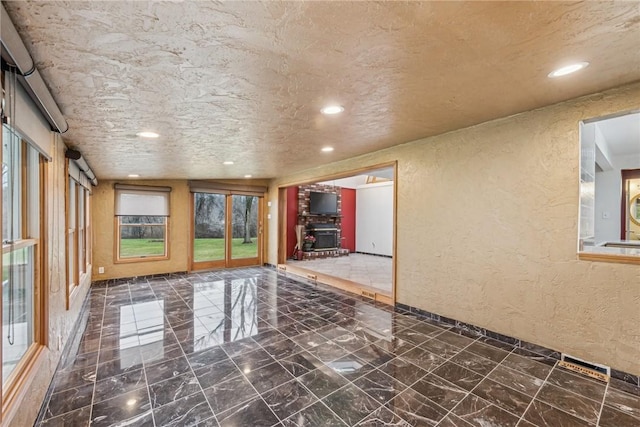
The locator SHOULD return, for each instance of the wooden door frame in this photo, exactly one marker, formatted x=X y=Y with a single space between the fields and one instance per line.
x=332 y=280
x=626 y=175
x=244 y=262
x=227 y=261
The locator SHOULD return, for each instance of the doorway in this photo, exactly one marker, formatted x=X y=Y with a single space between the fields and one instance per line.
x=630 y=206
x=340 y=230
x=226 y=230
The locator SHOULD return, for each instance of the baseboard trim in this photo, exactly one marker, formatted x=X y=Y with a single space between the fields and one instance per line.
x=515 y=342
x=123 y=280
x=368 y=253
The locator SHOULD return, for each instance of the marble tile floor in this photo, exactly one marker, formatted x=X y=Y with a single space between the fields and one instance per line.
x=369 y=270
x=249 y=347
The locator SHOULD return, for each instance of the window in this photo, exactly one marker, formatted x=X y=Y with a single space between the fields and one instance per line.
x=142 y=219
x=78 y=229
x=609 y=180
x=72 y=281
x=22 y=227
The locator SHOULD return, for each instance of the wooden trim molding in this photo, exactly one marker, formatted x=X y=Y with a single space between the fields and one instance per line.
x=116 y=244
x=21 y=244
x=336 y=282
x=621 y=259
x=339 y=175
x=30 y=367
x=626 y=175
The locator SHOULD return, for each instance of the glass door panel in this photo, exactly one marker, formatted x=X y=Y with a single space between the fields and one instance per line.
x=226 y=230
x=244 y=227
x=17 y=307
x=209 y=231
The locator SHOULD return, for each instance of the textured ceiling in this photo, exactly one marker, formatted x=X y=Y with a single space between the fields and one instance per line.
x=245 y=81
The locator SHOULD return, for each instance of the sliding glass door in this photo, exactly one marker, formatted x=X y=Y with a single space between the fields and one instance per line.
x=209 y=230
x=245 y=227
x=226 y=230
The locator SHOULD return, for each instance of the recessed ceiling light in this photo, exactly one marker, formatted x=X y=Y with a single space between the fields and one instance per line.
x=148 y=134
x=228 y=162
x=247 y=176
x=332 y=109
x=133 y=175
x=568 y=69
x=327 y=149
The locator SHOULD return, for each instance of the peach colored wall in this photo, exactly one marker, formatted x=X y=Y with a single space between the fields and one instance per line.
x=104 y=233
x=487 y=232
x=179 y=230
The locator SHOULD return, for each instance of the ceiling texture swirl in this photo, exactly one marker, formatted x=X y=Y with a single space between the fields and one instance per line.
x=245 y=81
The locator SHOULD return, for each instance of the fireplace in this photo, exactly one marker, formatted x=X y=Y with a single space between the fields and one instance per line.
x=326 y=236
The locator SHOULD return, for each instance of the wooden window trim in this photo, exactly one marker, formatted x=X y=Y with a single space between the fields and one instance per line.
x=129 y=260
x=81 y=230
x=87 y=243
x=28 y=367
x=22 y=374
x=71 y=284
x=82 y=261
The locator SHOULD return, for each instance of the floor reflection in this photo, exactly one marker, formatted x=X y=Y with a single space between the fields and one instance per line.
x=250 y=347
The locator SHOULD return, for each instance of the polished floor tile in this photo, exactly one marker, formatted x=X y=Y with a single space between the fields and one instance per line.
x=250 y=347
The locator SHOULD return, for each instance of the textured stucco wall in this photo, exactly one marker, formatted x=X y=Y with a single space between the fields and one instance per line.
x=60 y=320
x=104 y=233
x=487 y=230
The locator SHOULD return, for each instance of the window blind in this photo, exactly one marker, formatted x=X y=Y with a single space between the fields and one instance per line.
x=137 y=200
x=28 y=121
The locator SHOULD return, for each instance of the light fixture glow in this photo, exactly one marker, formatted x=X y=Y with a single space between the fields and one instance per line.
x=228 y=162
x=247 y=370
x=568 y=69
x=332 y=109
x=133 y=175
x=131 y=402
x=146 y=134
x=247 y=176
x=327 y=149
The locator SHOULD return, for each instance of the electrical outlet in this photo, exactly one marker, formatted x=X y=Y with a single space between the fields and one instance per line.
x=100 y=270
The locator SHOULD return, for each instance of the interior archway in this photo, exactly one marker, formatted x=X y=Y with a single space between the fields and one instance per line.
x=340 y=230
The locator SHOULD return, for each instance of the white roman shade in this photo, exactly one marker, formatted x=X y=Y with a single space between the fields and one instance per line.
x=28 y=121
x=139 y=200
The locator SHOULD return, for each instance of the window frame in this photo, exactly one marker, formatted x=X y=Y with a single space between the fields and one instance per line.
x=78 y=235
x=123 y=189
x=27 y=226
x=71 y=247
